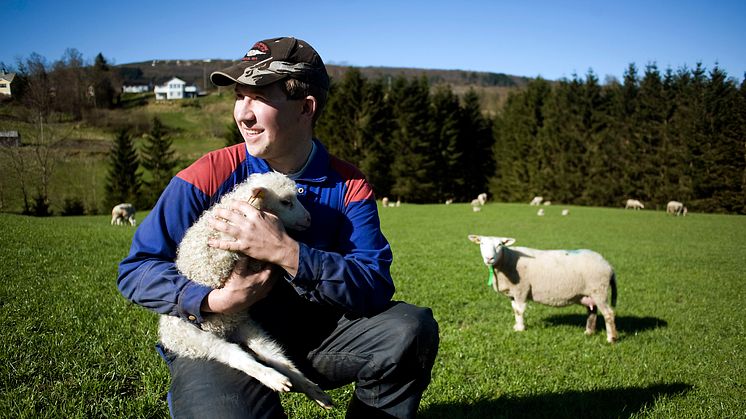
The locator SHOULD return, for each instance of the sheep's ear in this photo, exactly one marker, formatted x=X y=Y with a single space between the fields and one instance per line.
x=257 y=195
x=476 y=239
x=507 y=241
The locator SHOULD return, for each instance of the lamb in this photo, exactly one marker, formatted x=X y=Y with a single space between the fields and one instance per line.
x=218 y=336
x=123 y=213
x=482 y=198
x=633 y=204
x=676 y=208
x=536 y=201
x=551 y=277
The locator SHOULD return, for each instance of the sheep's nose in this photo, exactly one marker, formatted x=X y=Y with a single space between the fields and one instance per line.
x=489 y=261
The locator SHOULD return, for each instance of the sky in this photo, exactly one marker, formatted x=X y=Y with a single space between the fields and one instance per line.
x=549 y=38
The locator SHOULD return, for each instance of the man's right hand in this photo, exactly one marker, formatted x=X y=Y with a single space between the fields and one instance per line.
x=244 y=288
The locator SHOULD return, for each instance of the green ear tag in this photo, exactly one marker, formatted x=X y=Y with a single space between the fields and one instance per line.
x=491 y=280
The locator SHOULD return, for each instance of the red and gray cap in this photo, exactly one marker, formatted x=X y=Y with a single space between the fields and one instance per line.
x=275 y=59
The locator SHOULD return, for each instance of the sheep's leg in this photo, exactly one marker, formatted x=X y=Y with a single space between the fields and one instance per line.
x=518 y=309
x=590 y=324
x=606 y=310
x=269 y=352
x=207 y=345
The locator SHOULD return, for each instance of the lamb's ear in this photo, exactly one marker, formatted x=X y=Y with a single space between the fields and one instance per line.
x=476 y=239
x=257 y=196
x=507 y=241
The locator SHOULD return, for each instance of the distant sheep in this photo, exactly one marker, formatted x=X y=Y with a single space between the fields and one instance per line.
x=449 y=201
x=123 y=213
x=565 y=211
x=476 y=206
x=536 y=201
x=482 y=198
x=633 y=204
x=385 y=201
x=676 y=208
x=547 y=203
x=271 y=192
x=540 y=212
x=552 y=277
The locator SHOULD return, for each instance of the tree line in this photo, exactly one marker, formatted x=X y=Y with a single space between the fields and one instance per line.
x=660 y=136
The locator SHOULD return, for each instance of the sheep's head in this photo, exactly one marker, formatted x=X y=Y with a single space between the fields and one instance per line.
x=491 y=247
x=276 y=193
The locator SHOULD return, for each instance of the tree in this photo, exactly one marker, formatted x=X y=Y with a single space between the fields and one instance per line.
x=102 y=80
x=123 y=182
x=232 y=134
x=474 y=151
x=158 y=158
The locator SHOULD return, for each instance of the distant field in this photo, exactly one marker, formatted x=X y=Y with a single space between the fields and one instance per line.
x=73 y=347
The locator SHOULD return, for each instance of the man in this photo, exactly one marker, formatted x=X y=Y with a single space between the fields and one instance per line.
x=324 y=293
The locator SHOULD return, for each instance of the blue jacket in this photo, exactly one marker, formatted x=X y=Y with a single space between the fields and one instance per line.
x=344 y=258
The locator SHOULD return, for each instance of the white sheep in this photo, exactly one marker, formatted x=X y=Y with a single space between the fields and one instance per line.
x=123 y=213
x=552 y=277
x=676 y=208
x=271 y=192
x=540 y=212
x=565 y=211
x=385 y=201
x=482 y=198
x=633 y=204
x=449 y=201
x=536 y=201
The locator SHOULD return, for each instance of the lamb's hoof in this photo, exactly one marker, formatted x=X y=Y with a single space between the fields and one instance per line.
x=324 y=401
x=519 y=328
x=589 y=332
x=315 y=393
x=276 y=381
x=612 y=339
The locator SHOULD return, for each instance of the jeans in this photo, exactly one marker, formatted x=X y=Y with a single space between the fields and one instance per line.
x=388 y=356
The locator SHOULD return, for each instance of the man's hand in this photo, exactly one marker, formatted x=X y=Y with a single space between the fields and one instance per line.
x=242 y=290
x=257 y=234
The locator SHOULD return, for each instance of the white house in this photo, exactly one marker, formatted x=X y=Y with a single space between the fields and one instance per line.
x=134 y=87
x=175 y=89
x=6 y=80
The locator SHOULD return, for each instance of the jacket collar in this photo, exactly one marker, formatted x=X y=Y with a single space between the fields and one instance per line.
x=315 y=172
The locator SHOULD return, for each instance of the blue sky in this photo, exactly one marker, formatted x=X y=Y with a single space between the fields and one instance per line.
x=552 y=39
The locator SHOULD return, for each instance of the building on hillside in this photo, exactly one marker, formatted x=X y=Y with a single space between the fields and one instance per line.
x=6 y=81
x=136 y=87
x=10 y=139
x=175 y=89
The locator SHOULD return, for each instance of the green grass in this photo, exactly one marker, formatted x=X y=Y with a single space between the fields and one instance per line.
x=73 y=347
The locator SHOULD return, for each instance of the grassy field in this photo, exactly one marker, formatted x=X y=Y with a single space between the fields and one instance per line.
x=73 y=347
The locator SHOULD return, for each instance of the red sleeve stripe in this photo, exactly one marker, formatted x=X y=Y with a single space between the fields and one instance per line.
x=209 y=172
x=356 y=187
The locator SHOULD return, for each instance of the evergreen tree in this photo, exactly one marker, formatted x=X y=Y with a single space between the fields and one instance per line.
x=375 y=129
x=157 y=158
x=339 y=124
x=473 y=152
x=102 y=90
x=123 y=182
x=448 y=153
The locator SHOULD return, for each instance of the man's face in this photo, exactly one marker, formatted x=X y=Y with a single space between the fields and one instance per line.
x=268 y=121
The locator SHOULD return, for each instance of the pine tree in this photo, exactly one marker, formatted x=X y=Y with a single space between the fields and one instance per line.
x=375 y=128
x=123 y=182
x=448 y=155
x=474 y=150
x=157 y=158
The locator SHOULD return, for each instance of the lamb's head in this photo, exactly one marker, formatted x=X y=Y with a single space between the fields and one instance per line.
x=491 y=247
x=276 y=193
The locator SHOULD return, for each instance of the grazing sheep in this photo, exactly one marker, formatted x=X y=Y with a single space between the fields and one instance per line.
x=536 y=201
x=475 y=205
x=449 y=201
x=565 y=211
x=552 y=277
x=547 y=203
x=540 y=212
x=482 y=198
x=633 y=204
x=676 y=208
x=123 y=213
x=271 y=192
x=398 y=202
x=385 y=201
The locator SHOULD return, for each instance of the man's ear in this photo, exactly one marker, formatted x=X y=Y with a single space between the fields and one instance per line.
x=309 y=107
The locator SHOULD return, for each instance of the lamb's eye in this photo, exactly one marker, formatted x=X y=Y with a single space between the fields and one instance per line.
x=286 y=203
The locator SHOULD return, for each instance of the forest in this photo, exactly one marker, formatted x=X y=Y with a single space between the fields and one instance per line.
x=655 y=136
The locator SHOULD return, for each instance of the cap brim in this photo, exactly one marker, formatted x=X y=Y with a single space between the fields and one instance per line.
x=235 y=74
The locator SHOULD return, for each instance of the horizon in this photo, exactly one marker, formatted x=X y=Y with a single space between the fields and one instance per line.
x=539 y=38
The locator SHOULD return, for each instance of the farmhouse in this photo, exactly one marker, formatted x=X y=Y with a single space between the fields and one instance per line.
x=6 y=80
x=174 y=89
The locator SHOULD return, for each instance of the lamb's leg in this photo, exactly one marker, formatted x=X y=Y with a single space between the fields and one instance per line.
x=518 y=309
x=606 y=310
x=269 y=352
x=590 y=324
x=207 y=345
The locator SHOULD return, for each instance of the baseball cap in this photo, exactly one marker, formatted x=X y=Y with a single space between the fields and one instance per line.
x=275 y=59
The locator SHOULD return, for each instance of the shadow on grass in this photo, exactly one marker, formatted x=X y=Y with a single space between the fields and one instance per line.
x=626 y=324
x=610 y=403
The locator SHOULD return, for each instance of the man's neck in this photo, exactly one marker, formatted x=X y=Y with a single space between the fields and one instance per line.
x=296 y=161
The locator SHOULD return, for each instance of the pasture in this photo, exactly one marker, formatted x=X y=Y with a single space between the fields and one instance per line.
x=73 y=347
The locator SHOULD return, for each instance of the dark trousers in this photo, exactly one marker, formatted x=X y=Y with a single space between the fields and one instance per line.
x=388 y=356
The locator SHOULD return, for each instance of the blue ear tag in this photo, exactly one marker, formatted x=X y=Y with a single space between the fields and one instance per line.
x=491 y=279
